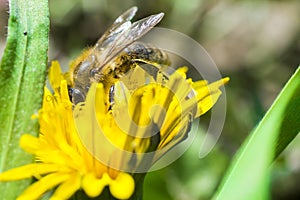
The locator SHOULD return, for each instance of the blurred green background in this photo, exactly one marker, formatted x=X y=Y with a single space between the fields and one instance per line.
x=255 y=43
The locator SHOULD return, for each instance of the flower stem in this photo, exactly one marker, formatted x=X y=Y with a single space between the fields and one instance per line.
x=139 y=184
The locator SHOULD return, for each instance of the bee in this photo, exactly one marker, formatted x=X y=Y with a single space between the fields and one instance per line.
x=115 y=54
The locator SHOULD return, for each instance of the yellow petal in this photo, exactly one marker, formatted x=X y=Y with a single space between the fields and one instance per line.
x=122 y=187
x=55 y=75
x=28 y=171
x=29 y=143
x=207 y=103
x=64 y=92
x=37 y=189
x=101 y=105
x=207 y=96
x=68 y=188
x=182 y=71
x=93 y=186
x=48 y=100
x=199 y=84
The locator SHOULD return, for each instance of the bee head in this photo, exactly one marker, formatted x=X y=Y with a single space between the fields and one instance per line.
x=76 y=63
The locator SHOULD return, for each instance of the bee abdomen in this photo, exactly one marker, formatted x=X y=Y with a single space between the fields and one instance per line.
x=141 y=51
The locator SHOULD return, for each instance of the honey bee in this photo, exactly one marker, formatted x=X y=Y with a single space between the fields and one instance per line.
x=116 y=53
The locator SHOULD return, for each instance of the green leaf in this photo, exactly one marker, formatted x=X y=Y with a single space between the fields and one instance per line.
x=248 y=175
x=22 y=77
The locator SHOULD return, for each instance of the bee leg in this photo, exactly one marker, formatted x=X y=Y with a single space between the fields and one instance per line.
x=150 y=69
x=155 y=72
x=111 y=96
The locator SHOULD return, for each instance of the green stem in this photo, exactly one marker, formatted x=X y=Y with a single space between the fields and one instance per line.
x=139 y=184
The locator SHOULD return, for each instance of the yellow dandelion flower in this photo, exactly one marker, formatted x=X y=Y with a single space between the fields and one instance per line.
x=95 y=145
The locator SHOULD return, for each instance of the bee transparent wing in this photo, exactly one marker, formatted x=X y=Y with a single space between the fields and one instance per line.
x=126 y=16
x=120 y=25
x=125 y=35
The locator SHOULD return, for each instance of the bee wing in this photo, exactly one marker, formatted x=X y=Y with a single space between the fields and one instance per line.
x=126 y=16
x=117 y=27
x=122 y=36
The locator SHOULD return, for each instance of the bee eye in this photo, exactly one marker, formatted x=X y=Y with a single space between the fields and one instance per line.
x=93 y=72
x=70 y=92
